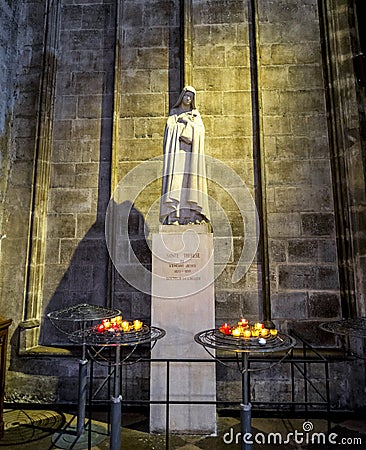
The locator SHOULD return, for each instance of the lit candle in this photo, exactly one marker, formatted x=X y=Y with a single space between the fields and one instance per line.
x=247 y=334
x=107 y=324
x=125 y=325
x=225 y=328
x=255 y=332
x=273 y=332
x=243 y=323
x=236 y=332
x=100 y=328
x=258 y=325
x=264 y=332
x=137 y=325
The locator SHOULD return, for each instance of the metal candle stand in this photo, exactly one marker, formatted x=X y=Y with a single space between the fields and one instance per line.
x=347 y=327
x=243 y=347
x=354 y=327
x=96 y=342
x=78 y=318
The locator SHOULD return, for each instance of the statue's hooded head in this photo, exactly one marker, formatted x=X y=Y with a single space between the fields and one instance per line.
x=186 y=89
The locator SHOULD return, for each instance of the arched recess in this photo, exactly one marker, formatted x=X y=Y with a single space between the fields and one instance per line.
x=32 y=302
x=346 y=148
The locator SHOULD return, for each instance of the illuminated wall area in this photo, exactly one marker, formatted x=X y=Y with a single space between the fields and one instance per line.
x=88 y=88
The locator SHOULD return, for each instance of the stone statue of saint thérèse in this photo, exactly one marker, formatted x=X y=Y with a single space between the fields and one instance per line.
x=184 y=187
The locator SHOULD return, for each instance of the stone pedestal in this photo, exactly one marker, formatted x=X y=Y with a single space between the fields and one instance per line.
x=183 y=304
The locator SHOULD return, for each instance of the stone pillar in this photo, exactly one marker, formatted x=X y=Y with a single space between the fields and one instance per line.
x=183 y=304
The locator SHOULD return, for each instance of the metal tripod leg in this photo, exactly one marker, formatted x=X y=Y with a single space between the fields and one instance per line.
x=246 y=407
x=116 y=406
x=83 y=385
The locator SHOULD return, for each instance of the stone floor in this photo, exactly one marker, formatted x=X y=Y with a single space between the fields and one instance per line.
x=37 y=429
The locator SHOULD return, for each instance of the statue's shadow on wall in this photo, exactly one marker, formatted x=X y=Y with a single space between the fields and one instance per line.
x=92 y=278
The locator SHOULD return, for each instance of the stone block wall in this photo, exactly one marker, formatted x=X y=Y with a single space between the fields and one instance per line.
x=300 y=211
x=8 y=50
x=8 y=36
x=220 y=70
x=76 y=257
x=22 y=40
x=92 y=98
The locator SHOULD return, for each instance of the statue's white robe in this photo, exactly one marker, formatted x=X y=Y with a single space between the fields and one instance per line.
x=184 y=185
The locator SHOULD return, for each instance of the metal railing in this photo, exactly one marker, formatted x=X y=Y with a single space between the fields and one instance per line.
x=314 y=392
